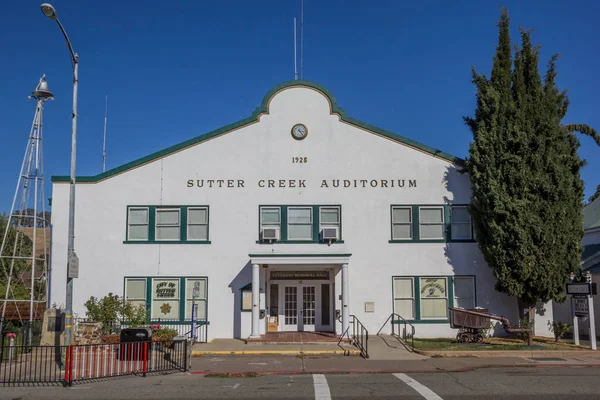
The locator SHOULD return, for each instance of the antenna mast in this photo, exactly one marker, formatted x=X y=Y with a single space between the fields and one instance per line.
x=104 y=143
x=295 y=63
x=26 y=266
x=301 y=35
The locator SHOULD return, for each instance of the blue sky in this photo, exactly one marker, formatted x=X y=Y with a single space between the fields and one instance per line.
x=174 y=70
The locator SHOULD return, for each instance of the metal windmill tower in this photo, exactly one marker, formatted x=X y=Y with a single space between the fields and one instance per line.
x=24 y=260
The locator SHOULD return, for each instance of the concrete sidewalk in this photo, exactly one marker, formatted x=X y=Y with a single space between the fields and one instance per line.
x=249 y=365
x=239 y=347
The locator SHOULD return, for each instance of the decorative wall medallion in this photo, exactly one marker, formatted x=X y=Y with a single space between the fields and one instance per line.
x=165 y=308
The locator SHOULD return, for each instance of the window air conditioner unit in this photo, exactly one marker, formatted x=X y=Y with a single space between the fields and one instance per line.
x=329 y=233
x=270 y=234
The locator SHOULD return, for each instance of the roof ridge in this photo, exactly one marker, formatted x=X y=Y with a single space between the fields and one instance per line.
x=255 y=117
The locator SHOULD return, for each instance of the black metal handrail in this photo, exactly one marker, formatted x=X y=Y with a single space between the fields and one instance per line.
x=405 y=334
x=360 y=335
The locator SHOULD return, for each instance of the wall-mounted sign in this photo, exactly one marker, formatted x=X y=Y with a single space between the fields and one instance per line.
x=302 y=183
x=579 y=288
x=580 y=307
x=299 y=275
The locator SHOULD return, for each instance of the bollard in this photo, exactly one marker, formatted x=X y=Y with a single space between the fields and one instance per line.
x=11 y=349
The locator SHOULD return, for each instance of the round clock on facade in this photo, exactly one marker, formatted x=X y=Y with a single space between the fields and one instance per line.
x=299 y=131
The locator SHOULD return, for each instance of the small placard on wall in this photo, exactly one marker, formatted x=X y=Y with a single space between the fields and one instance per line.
x=246 y=300
x=369 y=306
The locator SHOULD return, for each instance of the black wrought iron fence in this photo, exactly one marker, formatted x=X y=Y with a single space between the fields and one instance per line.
x=67 y=365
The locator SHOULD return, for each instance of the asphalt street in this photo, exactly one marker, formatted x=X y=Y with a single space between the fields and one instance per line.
x=548 y=383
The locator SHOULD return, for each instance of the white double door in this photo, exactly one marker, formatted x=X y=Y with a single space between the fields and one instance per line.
x=301 y=307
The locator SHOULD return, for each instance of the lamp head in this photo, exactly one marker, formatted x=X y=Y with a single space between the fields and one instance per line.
x=48 y=10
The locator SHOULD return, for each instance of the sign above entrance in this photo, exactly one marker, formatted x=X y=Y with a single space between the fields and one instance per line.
x=299 y=275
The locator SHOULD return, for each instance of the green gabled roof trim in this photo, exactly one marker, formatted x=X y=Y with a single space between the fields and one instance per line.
x=262 y=109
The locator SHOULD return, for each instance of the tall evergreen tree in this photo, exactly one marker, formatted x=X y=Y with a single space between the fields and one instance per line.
x=525 y=174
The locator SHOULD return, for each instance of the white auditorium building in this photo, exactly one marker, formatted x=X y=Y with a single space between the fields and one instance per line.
x=292 y=219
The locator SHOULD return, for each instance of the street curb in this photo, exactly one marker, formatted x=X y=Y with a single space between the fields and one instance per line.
x=198 y=353
x=391 y=371
x=510 y=353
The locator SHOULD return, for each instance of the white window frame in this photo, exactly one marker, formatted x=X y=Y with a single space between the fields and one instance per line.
x=413 y=298
x=452 y=223
x=331 y=224
x=409 y=223
x=421 y=278
x=311 y=223
x=156 y=224
x=470 y=277
x=188 y=223
x=147 y=224
x=153 y=299
x=199 y=300
x=127 y=280
x=443 y=223
x=264 y=225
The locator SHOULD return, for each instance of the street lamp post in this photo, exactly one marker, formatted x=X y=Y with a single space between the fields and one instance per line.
x=72 y=263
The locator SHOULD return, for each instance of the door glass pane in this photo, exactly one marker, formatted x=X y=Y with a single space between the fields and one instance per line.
x=197 y=216
x=302 y=232
x=136 y=289
x=290 y=304
x=325 y=306
x=198 y=232
x=138 y=216
x=168 y=217
x=270 y=215
x=274 y=299
x=299 y=215
x=308 y=303
x=138 y=232
x=402 y=231
x=401 y=215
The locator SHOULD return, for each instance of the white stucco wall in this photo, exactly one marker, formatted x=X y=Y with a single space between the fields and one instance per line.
x=264 y=150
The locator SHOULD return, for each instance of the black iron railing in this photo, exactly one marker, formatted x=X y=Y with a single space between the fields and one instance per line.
x=358 y=335
x=66 y=365
x=405 y=332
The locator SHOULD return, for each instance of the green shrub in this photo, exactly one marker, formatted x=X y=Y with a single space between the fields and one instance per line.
x=560 y=329
x=112 y=309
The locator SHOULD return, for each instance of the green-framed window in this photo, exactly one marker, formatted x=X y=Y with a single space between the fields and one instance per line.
x=425 y=299
x=167 y=298
x=430 y=223
x=300 y=223
x=167 y=224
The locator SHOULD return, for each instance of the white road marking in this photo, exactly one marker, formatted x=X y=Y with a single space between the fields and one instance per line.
x=257 y=363
x=423 y=390
x=321 y=387
x=237 y=385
